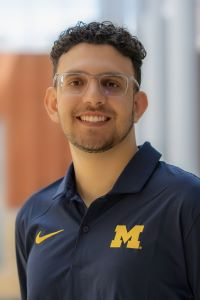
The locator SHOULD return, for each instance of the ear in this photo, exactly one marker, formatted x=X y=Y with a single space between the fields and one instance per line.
x=50 y=103
x=140 y=103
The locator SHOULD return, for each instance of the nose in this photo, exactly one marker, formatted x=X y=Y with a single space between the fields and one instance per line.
x=93 y=94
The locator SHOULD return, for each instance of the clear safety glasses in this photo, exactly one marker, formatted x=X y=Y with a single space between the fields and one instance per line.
x=112 y=85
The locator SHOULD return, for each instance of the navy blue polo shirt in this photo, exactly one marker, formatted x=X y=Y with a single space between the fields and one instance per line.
x=141 y=241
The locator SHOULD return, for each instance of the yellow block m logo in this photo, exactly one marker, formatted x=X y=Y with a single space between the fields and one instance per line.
x=130 y=237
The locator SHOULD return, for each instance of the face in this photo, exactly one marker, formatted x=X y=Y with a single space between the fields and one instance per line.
x=92 y=121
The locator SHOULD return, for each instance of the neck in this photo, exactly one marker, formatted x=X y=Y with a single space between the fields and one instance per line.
x=96 y=173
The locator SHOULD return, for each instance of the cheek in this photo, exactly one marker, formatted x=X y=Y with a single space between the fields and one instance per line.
x=124 y=108
x=65 y=108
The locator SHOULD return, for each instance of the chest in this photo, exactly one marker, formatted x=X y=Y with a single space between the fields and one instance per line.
x=106 y=252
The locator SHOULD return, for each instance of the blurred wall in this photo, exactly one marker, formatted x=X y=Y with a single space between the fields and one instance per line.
x=170 y=78
x=36 y=150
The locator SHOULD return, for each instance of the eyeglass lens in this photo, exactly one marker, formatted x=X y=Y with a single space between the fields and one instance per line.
x=112 y=85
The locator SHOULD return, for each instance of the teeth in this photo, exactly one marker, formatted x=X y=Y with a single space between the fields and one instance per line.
x=93 y=118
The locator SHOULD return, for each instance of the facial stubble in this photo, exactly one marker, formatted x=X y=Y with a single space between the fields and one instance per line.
x=79 y=142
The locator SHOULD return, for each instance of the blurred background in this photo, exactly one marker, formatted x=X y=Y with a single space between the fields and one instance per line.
x=33 y=151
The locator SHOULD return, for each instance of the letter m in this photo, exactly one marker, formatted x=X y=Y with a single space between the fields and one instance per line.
x=131 y=237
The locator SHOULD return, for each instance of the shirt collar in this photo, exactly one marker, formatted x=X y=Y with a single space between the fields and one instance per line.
x=67 y=184
x=131 y=180
x=138 y=171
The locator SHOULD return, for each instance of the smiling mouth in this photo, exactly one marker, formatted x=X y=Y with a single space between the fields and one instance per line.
x=93 y=119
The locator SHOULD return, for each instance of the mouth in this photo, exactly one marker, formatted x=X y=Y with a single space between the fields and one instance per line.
x=93 y=119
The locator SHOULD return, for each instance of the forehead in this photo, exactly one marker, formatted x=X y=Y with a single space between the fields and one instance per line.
x=94 y=59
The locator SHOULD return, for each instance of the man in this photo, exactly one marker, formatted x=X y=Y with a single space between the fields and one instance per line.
x=121 y=225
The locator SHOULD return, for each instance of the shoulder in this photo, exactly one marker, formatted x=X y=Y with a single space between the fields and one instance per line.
x=179 y=187
x=181 y=192
x=177 y=179
x=38 y=203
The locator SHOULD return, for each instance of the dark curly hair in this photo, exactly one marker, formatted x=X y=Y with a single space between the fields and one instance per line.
x=100 y=33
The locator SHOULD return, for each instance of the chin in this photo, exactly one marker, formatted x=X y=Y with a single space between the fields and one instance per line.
x=94 y=148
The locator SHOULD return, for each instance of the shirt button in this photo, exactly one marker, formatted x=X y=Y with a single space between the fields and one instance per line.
x=85 y=228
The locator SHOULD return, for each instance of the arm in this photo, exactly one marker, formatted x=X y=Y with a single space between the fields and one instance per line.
x=21 y=257
x=192 y=251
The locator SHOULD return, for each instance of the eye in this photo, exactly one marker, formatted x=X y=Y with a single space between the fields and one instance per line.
x=73 y=81
x=76 y=82
x=110 y=83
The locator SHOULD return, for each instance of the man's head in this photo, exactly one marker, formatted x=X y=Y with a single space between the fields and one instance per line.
x=100 y=34
x=95 y=96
